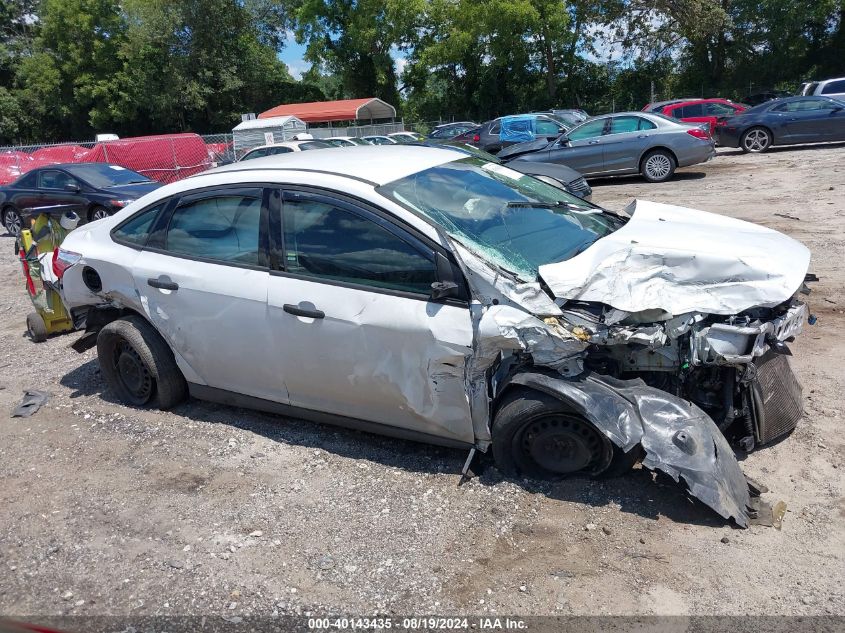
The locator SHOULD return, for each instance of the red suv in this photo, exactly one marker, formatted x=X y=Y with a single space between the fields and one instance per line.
x=702 y=110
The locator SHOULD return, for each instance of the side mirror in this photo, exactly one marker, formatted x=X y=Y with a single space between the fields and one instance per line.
x=562 y=140
x=838 y=108
x=443 y=290
x=72 y=187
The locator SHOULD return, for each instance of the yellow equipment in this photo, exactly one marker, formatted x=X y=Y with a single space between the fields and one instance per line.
x=50 y=316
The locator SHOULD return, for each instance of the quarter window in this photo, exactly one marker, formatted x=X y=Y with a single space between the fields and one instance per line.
x=223 y=228
x=323 y=240
x=137 y=229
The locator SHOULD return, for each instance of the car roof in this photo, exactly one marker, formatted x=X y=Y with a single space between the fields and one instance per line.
x=376 y=164
x=693 y=101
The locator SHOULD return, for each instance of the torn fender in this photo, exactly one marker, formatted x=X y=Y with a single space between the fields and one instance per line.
x=678 y=438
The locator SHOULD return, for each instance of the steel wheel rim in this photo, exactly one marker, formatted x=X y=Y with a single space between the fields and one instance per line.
x=133 y=373
x=756 y=141
x=99 y=214
x=12 y=222
x=658 y=166
x=562 y=445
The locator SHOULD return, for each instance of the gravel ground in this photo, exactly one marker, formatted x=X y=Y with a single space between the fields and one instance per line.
x=109 y=510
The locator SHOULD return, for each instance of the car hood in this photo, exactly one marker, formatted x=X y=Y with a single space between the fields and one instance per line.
x=681 y=260
x=524 y=148
x=134 y=191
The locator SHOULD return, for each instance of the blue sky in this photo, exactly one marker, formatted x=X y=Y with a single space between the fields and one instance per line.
x=292 y=55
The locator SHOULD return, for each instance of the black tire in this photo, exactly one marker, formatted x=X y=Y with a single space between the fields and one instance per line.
x=623 y=462
x=95 y=211
x=535 y=434
x=36 y=328
x=658 y=165
x=138 y=365
x=12 y=221
x=755 y=140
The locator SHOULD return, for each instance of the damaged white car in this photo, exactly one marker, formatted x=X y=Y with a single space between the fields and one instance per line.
x=421 y=293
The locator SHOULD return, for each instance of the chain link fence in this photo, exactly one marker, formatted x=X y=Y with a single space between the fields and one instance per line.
x=165 y=158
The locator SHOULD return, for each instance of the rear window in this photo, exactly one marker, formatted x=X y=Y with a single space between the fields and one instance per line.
x=834 y=87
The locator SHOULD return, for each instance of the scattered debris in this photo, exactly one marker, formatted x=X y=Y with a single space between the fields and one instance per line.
x=787 y=216
x=606 y=530
x=725 y=540
x=33 y=400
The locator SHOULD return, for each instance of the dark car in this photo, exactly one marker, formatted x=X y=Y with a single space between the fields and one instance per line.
x=92 y=190
x=560 y=176
x=789 y=121
x=489 y=134
x=449 y=131
x=767 y=95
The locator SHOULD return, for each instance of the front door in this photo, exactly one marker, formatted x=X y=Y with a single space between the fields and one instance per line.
x=583 y=151
x=626 y=140
x=54 y=196
x=202 y=279
x=353 y=329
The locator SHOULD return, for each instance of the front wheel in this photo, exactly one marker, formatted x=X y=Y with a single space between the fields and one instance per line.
x=658 y=166
x=12 y=221
x=756 y=140
x=535 y=434
x=36 y=328
x=138 y=365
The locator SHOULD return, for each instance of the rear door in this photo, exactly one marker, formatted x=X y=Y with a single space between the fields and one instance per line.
x=350 y=316
x=583 y=151
x=625 y=141
x=202 y=279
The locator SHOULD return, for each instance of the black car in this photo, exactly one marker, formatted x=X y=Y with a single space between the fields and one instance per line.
x=767 y=95
x=92 y=190
x=449 y=131
x=560 y=176
x=789 y=121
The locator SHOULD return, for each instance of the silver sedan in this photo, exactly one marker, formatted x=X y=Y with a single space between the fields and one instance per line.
x=621 y=144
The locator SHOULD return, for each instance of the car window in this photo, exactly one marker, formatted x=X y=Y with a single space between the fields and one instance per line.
x=547 y=128
x=804 y=105
x=694 y=109
x=623 y=124
x=136 y=230
x=272 y=151
x=223 y=228
x=313 y=145
x=328 y=241
x=496 y=128
x=256 y=153
x=834 y=87
x=717 y=109
x=587 y=130
x=52 y=179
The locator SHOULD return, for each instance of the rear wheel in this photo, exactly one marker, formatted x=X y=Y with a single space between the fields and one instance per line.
x=756 y=140
x=138 y=365
x=12 y=221
x=36 y=328
x=535 y=434
x=658 y=165
x=98 y=213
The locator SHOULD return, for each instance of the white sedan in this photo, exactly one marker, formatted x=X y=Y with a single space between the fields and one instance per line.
x=285 y=147
x=426 y=294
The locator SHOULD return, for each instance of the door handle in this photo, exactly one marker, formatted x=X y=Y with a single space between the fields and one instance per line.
x=163 y=284
x=592 y=142
x=303 y=312
x=643 y=136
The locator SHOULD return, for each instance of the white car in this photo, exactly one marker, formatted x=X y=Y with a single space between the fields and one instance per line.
x=285 y=147
x=406 y=137
x=380 y=140
x=345 y=141
x=423 y=293
x=834 y=88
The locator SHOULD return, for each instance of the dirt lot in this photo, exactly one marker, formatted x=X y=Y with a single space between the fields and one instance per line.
x=214 y=510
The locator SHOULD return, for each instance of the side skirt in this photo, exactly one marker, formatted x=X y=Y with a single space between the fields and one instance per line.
x=230 y=398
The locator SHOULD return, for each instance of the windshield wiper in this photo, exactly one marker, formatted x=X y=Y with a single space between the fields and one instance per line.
x=539 y=205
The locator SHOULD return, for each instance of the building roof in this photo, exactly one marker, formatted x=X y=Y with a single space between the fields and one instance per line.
x=343 y=110
x=276 y=121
